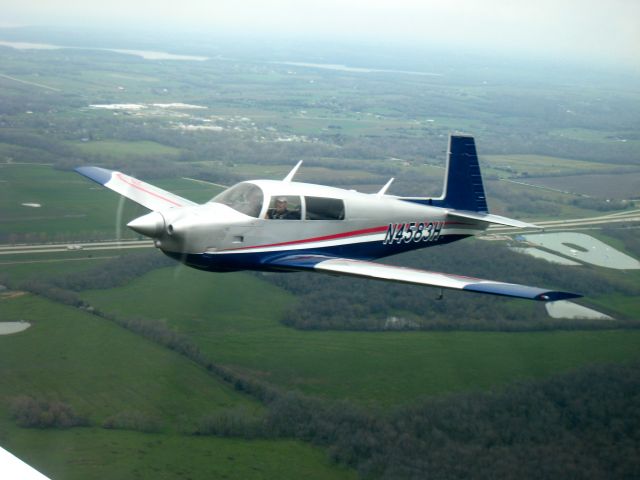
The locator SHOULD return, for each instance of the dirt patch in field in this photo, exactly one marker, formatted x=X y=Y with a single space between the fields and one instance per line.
x=7 y=328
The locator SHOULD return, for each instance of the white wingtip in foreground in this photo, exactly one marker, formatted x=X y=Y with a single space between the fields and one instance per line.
x=12 y=468
x=283 y=225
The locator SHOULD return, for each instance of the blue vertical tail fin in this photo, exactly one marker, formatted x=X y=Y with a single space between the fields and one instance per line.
x=463 y=191
x=463 y=188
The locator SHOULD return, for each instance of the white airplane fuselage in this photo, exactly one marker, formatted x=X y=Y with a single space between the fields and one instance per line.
x=215 y=236
x=286 y=225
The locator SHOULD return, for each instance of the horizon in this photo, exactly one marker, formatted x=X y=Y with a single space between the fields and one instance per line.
x=568 y=31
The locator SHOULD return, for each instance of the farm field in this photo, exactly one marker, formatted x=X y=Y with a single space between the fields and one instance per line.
x=118 y=149
x=71 y=207
x=45 y=265
x=618 y=187
x=102 y=371
x=91 y=453
x=370 y=368
x=533 y=165
x=554 y=143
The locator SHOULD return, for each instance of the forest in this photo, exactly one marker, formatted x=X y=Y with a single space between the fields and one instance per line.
x=356 y=304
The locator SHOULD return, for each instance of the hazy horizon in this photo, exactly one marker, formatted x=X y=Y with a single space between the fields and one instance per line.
x=568 y=30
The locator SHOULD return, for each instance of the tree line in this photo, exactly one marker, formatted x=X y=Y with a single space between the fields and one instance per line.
x=582 y=424
x=327 y=302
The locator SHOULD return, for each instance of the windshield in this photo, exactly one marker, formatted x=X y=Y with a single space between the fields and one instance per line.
x=246 y=198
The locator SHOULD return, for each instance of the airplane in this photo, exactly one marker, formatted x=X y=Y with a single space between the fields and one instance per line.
x=282 y=225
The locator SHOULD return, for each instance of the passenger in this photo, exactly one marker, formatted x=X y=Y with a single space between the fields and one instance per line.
x=281 y=211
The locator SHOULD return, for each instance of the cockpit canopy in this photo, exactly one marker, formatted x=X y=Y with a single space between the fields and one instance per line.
x=245 y=198
x=250 y=199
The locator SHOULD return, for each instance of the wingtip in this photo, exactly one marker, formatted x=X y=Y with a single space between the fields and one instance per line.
x=519 y=291
x=97 y=174
x=555 y=296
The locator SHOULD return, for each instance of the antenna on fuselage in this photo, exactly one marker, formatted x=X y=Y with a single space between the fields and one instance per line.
x=290 y=175
x=384 y=189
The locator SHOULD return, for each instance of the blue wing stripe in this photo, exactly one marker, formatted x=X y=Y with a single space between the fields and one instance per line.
x=97 y=174
x=520 y=291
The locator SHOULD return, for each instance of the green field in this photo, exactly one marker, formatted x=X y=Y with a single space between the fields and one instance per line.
x=619 y=187
x=43 y=265
x=123 y=150
x=606 y=137
x=532 y=165
x=369 y=368
x=90 y=453
x=526 y=201
x=101 y=370
x=629 y=306
x=319 y=175
x=72 y=207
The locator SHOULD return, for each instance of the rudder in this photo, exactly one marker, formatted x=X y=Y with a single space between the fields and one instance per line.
x=463 y=188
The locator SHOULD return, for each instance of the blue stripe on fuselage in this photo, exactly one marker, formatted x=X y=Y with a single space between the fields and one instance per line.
x=230 y=262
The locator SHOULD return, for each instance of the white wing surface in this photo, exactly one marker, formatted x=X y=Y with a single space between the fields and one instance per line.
x=13 y=468
x=373 y=270
x=147 y=195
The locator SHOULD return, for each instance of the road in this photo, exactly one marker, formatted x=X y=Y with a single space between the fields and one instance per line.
x=73 y=247
x=619 y=217
x=612 y=218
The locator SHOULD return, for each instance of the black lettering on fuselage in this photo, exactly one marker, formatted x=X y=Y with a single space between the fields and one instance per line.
x=399 y=233
x=391 y=233
x=413 y=232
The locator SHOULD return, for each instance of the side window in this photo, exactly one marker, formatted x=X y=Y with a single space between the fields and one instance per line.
x=320 y=208
x=284 y=207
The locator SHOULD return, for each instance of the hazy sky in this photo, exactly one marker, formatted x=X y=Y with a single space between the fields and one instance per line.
x=598 y=30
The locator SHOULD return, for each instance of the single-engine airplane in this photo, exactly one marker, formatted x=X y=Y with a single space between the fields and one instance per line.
x=284 y=225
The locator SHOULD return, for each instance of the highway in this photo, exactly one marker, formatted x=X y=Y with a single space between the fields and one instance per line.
x=613 y=218
x=74 y=247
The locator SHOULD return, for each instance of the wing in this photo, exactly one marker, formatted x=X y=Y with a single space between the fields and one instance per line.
x=13 y=467
x=360 y=268
x=148 y=196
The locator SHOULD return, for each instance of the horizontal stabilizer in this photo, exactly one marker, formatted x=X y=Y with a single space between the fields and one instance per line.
x=360 y=268
x=490 y=218
x=147 y=195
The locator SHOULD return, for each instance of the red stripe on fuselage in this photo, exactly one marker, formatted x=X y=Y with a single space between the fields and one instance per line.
x=318 y=239
x=129 y=182
x=365 y=231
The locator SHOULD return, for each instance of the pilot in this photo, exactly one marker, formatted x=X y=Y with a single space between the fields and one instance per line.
x=281 y=211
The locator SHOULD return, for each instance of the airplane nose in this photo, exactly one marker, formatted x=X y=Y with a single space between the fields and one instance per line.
x=151 y=224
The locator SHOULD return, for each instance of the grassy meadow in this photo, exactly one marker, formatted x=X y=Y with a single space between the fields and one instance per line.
x=72 y=207
x=92 y=453
x=382 y=368
x=102 y=370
